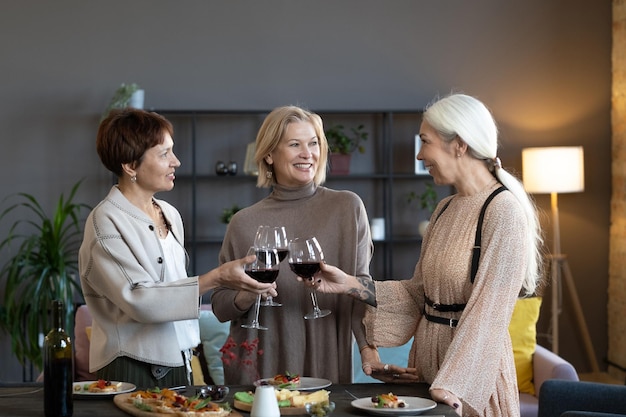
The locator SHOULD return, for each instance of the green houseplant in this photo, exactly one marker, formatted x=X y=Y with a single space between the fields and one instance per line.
x=41 y=268
x=121 y=98
x=342 y=144
x=228 y=213
x=427 y=201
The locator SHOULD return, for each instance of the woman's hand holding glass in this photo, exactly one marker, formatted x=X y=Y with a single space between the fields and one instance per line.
x=305 y=258
x=272 y=237
x=232 y=275
x=263 y=268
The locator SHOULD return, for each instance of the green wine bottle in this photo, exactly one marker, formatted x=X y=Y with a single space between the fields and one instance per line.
x=58 y=372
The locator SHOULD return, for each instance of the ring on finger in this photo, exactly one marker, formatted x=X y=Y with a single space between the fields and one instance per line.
x=386 y=367
x=395 y=376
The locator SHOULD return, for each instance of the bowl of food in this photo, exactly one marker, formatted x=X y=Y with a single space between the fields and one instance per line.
x=319 y=409
x=215 y=393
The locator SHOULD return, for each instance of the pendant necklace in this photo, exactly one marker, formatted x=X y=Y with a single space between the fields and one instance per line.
x=162 y=216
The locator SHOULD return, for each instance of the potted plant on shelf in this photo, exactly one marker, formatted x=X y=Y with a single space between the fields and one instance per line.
x=228 y=213
x=427 y=201
x=342 y=144
x=42 y=268
x=126 y=95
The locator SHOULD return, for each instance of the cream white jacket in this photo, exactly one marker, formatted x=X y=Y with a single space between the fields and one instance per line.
x=121 y=266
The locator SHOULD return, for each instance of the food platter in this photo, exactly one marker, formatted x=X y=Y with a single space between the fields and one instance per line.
x=306 y=384
x=79 y=391
x=122 y=401
x=414 y=406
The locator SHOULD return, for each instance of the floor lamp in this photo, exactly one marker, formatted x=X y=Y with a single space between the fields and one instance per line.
x=556 y=170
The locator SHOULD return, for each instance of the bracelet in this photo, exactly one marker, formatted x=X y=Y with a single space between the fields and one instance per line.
x=373 y=347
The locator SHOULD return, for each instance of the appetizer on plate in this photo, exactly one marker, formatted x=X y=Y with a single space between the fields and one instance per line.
x=288 y=380
x=170 y=402
x=100 y=385
x=388 y=401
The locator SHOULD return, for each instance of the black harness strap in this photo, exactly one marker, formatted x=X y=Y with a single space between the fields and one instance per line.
x=479 y=232
x=474 y=270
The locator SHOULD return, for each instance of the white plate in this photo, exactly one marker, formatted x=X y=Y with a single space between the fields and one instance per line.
x=306 y=383
x=414 y=406
x=126 y=387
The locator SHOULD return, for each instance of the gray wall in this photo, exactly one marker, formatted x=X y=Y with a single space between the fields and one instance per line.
x=542 y=66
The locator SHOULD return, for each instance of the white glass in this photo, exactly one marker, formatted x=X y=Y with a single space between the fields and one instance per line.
x=264 y=268
x=272 y=237
x=305 y=256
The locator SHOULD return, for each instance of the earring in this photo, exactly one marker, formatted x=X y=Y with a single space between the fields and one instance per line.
x=268 y=175
x=458 y=155
x=133 y=178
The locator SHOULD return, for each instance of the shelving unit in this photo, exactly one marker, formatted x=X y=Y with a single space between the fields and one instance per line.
x=382 y=177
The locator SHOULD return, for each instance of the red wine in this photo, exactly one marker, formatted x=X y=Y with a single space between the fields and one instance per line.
x=282 y=254
x=305 y=270
x=262 y=256
x=58 y=370
x=266 y=276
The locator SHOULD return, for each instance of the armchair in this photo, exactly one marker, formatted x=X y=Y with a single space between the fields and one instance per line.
x=559 y=398
x=546 y=365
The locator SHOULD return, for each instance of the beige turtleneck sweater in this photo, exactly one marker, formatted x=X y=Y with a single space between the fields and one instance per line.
x=320 y=348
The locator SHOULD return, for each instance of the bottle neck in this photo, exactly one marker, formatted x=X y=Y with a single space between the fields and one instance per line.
x=57 y=314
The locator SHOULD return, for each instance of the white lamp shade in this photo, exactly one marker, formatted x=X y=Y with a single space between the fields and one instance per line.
x=558 y=169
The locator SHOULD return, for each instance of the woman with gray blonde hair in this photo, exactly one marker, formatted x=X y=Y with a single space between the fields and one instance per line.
x=291 y=154
x=481 y=251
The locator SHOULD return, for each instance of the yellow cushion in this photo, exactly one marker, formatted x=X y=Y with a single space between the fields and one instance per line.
x=523 y=331
x=196 y=371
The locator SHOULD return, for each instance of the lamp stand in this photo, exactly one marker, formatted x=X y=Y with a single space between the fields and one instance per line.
x=559 y=268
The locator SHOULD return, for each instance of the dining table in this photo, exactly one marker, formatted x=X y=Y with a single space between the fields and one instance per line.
x=26 y=399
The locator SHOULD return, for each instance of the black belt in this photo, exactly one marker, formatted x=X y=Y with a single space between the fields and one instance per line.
x=444 y=307
x=441 y=320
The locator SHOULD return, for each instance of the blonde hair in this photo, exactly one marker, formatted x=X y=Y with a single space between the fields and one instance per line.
x=272 y=131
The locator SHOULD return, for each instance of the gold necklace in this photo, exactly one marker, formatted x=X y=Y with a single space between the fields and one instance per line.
x=162 y=229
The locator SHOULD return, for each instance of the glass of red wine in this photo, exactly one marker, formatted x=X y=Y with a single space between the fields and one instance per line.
x=264 y=268
x=305 y=256
x=272 y=237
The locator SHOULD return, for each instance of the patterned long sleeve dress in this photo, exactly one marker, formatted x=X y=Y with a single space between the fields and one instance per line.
x=475 y=359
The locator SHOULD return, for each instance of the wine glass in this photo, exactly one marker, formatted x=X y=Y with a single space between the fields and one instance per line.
x=264 y=269
x=305 y=256
x=272 y=237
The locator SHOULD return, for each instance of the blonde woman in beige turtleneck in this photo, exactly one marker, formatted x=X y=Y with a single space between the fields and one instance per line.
x=462 y=346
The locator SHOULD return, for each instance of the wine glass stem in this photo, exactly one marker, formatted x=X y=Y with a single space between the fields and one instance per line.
x=314 y=300
x=257 y=306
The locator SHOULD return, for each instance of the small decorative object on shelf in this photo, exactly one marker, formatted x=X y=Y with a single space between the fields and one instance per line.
x=221 y=168
x=427 y=201
x=420 y=169
x=249 y=166
x=377 y=228
x=232 y=168
x=342 y=144
x=126 y=95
